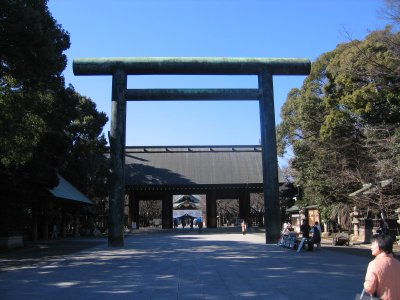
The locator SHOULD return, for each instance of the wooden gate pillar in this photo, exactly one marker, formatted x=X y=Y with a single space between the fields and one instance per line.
x=34 y=222
x=63 y=222
x=167 y=214
x=45 y=223
x=211 y=204
x=133 y=210
x=244 y=206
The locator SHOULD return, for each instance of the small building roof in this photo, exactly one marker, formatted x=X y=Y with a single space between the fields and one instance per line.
x=67 y=191
x=186 y=202
x=192 y=165
x=369 y=188
x=295 y=208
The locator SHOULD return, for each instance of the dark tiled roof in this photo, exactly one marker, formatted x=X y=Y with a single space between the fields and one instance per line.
x=193 y=165
x=186 y=202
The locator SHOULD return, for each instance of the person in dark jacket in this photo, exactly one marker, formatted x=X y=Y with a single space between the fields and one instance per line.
x=305 y=229
x=316 y=236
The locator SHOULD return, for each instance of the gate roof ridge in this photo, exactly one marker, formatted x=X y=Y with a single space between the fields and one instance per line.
x=202 y=148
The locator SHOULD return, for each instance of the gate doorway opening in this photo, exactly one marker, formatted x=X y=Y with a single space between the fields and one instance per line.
x=189 y=211
x=227 y=212
x=257 y=209
x=150 y=213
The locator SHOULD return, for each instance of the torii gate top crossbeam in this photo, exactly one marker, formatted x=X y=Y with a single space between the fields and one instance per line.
x=191 y=66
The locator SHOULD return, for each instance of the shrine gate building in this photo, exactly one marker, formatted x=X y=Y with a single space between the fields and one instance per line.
x=219 y=172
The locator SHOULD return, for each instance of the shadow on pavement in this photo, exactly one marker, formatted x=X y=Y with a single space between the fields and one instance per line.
x=38 y=251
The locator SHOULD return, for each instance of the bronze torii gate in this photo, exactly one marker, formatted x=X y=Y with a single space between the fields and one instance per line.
x=119 y=68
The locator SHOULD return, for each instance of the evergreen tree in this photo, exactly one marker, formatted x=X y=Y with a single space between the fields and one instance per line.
x=44 y=126
x=86 y=166
x=343 y=124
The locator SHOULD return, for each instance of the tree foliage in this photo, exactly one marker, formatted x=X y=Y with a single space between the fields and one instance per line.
x=32 y=44
x=45 y=128
x=342 y=125
x=228 y=210
x=85 y=165
x=34 y=107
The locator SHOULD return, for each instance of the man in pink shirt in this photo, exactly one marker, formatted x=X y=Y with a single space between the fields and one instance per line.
x=383 y=273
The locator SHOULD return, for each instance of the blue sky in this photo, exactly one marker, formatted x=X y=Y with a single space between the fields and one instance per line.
x=204 y=28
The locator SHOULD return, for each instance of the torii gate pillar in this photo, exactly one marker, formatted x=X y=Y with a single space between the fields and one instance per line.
x=117 y=160
x=264 y=68
x=272 y=213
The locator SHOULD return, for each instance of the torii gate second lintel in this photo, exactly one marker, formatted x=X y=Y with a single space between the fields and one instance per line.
x=120 y=68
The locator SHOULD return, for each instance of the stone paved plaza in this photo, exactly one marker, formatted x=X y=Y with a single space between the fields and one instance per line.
x=180 y=265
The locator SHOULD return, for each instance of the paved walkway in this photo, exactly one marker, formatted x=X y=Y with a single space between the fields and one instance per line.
x=182 y=266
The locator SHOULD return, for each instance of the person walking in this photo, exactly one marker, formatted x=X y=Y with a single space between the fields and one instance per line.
x=305 y=231
x=200 y=225
x=383 y=272
x=244 y=227
x=183 y=223
x=54 y=232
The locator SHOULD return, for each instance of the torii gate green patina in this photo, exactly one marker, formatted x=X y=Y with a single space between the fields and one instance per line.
x=120 y=68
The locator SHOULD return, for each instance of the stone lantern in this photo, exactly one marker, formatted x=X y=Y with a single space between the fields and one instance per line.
x=355 y=215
